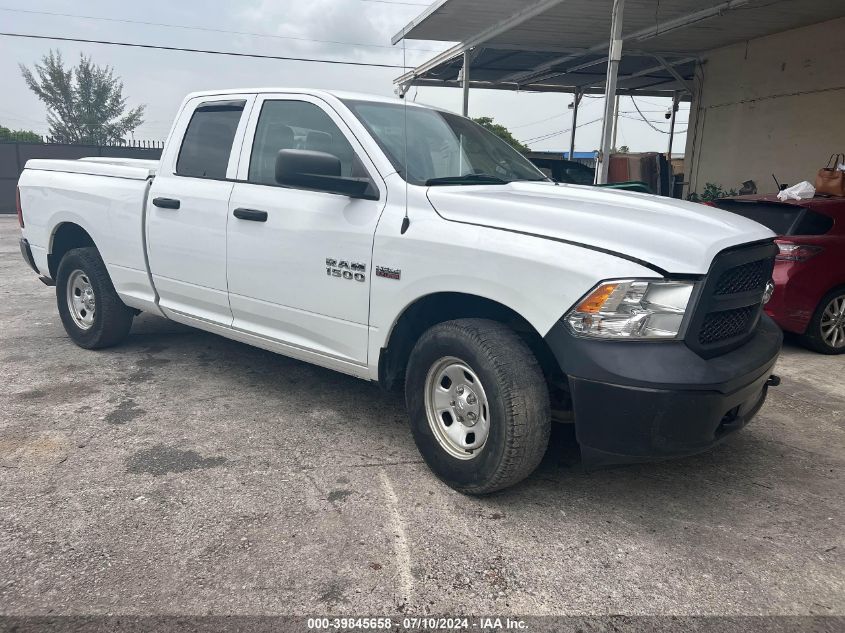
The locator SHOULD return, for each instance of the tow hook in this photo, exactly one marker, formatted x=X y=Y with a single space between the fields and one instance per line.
x=773 y=381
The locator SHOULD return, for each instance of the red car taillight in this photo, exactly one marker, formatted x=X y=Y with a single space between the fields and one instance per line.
x=791 y=252
x=18 y=205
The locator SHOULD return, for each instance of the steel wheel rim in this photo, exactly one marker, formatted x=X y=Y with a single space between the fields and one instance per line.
x=81 y=301
x=456 y=407
x=833 y=323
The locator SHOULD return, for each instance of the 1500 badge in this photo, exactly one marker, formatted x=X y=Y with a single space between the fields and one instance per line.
x=345 y=270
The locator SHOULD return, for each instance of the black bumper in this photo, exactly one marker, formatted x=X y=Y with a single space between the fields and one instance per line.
x=26 y=252
x=640 y=401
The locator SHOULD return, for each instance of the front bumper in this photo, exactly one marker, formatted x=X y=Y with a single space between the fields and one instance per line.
x=640 y=401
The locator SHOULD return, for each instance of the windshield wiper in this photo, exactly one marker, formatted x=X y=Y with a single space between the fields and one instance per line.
x=467 y=179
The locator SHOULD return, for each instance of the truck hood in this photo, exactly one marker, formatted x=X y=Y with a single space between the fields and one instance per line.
x=676 y=236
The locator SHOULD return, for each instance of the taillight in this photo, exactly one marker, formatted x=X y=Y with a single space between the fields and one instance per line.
x=18 y=205
x=790 y=252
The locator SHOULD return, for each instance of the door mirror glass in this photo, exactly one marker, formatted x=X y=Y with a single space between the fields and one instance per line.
x=319 y=171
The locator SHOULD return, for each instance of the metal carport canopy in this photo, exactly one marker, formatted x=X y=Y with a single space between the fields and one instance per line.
x=562 y=45
x=523 y=41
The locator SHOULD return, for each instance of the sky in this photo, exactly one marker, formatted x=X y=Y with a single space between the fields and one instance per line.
x=355 y=30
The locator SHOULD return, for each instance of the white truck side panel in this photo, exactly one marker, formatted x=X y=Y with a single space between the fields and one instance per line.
x=108 y=208
x=278 y=285
x=538 y=279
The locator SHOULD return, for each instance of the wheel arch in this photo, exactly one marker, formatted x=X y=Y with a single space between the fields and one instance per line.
x=834 y=288
x=431 y=309
x=66 y=236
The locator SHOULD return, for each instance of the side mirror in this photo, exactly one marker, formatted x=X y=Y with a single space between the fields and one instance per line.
x=319 y=171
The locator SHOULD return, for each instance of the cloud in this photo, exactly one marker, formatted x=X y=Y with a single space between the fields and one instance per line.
x=330 y=27
x=160 y=79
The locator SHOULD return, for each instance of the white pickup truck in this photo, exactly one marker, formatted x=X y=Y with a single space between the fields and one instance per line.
x=409 y=246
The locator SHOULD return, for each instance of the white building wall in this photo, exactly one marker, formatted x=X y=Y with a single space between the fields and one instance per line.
x=771 y=105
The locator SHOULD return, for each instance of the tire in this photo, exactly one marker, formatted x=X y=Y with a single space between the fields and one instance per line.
x=109 y=321
x=492 y=365
x=830 y=308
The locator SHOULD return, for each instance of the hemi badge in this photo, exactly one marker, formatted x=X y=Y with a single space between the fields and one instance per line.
x=388 y=273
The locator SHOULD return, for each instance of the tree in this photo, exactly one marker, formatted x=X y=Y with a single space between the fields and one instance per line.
x=622 y=149
x=85 y=104
x=19 y=135
x=502 y=132
x=712 y=191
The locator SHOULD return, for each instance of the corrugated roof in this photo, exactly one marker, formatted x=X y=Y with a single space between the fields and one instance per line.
x=640 y=75
x=562 y=44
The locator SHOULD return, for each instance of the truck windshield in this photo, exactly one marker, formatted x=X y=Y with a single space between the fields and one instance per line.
x=443 y=148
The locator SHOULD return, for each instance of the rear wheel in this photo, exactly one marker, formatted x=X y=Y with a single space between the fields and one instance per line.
x=479 y=405
x=826 y=332
x=91 y=312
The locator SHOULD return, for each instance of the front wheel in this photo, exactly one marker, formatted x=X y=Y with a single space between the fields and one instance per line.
x=479 y=405
x=826 y=332
x=92 y=313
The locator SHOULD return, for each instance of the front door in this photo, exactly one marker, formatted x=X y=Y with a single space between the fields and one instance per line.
x=299 y=261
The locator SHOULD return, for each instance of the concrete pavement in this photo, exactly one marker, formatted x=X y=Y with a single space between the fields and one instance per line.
x=184 y=473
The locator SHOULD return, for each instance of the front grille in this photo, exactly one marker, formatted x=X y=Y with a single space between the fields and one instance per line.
x=719 y=326
x=743 y=278
x=730 y=302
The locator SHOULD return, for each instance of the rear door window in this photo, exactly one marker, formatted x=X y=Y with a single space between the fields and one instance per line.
x=813 y=223
x=778 y=217
x=783 y=219
x=208 y=140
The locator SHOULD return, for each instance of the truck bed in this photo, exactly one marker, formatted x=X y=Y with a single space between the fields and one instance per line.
x=106 y=197
x=131 y=168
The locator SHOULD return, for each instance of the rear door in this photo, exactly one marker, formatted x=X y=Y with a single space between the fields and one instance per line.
x=300 y=275
x=188 y=208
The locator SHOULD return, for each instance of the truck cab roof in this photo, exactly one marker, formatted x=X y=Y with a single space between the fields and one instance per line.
x=341 y=95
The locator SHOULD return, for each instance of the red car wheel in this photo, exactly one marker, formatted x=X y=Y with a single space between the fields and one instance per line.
x=826 y=332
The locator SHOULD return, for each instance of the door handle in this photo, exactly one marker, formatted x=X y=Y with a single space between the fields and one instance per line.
x=166 y=203
x=250 y=214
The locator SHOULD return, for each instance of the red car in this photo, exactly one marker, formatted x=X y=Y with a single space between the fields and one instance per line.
x=809 y=275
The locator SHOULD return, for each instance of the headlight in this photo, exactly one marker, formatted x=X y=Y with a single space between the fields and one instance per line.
x=632 y=309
